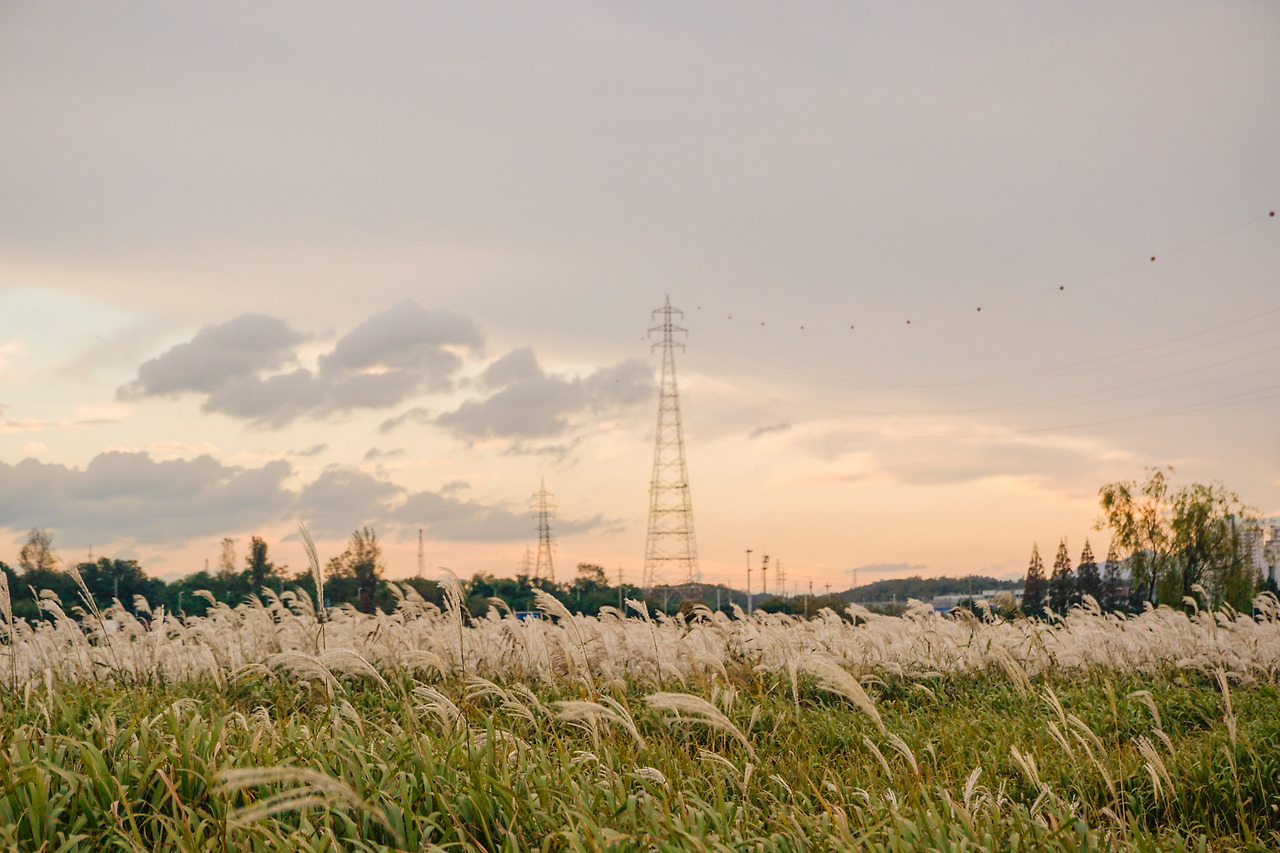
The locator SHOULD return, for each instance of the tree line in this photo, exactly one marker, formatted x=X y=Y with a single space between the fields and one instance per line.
x=1167 y=546
x=356 y=577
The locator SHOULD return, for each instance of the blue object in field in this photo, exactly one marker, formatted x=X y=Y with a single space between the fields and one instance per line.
x=528 y=614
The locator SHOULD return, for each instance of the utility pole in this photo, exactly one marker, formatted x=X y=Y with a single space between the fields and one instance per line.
x=764 y=577
x=670 y=543
x=749 y=611
x=421 y=558
x=807 y=597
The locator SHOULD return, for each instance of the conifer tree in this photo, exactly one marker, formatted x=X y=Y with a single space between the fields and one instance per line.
x=1088 y=580
x=1062 y=583
x=1113 y=597
x=1035 y=587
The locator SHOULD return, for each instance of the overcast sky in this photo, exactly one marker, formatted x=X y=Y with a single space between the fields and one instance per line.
x=393 y=264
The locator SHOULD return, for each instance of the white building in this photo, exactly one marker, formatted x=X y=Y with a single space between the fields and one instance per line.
x=1268 y=560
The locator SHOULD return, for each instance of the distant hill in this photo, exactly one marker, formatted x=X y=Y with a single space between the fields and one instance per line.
x=900 y=589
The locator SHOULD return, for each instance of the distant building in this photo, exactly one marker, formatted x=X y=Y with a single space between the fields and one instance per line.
x=1268 y=563
x=946 y=603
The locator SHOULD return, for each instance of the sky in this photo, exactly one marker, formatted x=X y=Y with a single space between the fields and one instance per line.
x=946 y=269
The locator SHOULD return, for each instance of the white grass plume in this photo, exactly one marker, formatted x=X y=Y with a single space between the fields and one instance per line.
x=901 y=746
x=834 y=678
x=1155 y=768
x=607 y=710
x=317 y=571
x=699 y=711
x=312 y=789
x=652 y=774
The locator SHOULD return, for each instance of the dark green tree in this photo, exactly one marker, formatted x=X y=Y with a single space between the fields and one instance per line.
x=120 y=580
x=37 y=552
x=259 y=569
x=1088 y=578
x=1114 y=596
x=1035 y=589
x=1062 y=583
x=363 y=559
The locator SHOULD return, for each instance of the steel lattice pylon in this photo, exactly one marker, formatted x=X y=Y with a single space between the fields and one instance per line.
x=543 y=569
x=671 y=552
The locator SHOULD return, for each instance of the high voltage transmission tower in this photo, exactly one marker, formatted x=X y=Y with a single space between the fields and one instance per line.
x=671 y=553
x=543 y=568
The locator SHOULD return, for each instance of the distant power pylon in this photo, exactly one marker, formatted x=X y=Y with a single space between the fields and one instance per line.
x=543 y=568
x=422 y=562
x=671 y=553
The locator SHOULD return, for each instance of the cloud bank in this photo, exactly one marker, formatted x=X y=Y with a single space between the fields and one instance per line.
x=122 y=495
x=128 y=496
x=527 y=402
x=396 y=354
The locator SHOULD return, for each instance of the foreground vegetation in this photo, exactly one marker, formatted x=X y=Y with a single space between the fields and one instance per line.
x=271 y=727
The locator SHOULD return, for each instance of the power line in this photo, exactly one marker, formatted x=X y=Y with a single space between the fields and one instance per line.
x=1096 y=395
x=738 y=359
x=1040 y=292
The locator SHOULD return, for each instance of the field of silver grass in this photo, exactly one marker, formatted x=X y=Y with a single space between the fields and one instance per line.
x=270 y=726
x=285 y=633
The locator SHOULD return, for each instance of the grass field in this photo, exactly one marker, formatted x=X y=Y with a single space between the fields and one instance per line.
x=263 y=728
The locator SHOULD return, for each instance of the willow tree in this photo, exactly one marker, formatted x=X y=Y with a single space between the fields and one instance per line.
x=1173 y=541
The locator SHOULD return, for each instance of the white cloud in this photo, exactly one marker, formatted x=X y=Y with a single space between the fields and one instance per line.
x=533 y=404
x=396 y=354
x=130 y=496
